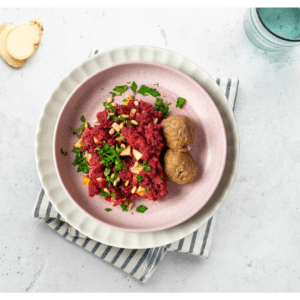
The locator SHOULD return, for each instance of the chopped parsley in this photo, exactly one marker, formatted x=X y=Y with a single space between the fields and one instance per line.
x=116 y=118
x=113 y=94
x=109 y=157
x=118 y=149
x=107 y=171
x=80 y=161
x=147 y=169
x=120 y=89
x=144 y=90
x=139 y=178
x=154 y=186
x=107 y=105
x=110 y=109
x=107 y=209
x=164 y=109
x=63 y=152
x=87 y=143
x=128 y=82
x=133 y=87
x=109 y=180
x=141 y=209
x=81 y=128
x=180 y=102
x=124 y=100
x=73 y=131
x=147 y=188
x=114 y=136
x=124 y=207
x=159 y=177
x=103 y=194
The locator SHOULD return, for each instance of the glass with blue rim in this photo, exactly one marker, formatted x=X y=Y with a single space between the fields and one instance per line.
x=273 y=29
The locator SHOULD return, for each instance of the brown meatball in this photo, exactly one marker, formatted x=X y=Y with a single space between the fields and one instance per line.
x=180 y=167
x=179 y=132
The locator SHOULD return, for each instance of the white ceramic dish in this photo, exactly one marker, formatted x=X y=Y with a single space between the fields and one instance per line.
x=45 y=161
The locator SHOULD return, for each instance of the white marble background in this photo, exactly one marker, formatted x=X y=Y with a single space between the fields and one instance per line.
x=257 y=237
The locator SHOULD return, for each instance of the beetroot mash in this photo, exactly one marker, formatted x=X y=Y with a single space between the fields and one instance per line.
x=123 y=150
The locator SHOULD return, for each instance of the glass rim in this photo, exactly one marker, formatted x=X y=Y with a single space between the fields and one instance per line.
x=278 y=36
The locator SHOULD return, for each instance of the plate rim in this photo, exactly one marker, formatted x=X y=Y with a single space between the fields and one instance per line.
x=211 y=104
x=120 y=238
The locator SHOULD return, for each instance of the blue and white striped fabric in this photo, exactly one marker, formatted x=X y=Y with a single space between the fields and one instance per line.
x=134 y=261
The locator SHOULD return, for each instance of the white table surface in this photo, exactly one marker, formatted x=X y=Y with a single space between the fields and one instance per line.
x=257 y=236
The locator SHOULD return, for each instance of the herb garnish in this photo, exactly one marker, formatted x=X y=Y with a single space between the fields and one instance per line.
x=80 y=161
x=103 y=194
x=110 y=156
x=124 y=207
x=63 y=152
x=117 y=118
x=107 y=209
x=139 y=178
x=106 y=172
x=146 y=168
x=120 y=89
x=164 y=109
x=144 y=90
x=118 y=149
x=73 y=131
x=81 y=128
x=87 y=143
x=180 y=102
x=133 y=87
x=147 y=188
x=113 y=94
x=141 y=209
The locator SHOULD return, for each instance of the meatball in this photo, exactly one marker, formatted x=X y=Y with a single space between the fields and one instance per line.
x=179 y=132
x=180 y=167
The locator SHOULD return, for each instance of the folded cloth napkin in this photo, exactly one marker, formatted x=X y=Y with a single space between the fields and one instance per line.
x=140 y=263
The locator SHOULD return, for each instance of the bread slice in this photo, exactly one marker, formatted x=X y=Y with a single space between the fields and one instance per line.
x=23 y=40
x=4 y=30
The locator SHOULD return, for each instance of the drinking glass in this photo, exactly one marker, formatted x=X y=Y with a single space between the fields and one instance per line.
x=273 y=29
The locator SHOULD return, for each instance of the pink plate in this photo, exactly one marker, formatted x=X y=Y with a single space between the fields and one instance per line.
x=209 y=149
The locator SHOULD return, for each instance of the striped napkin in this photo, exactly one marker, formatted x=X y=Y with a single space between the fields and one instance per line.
x=140 y=263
